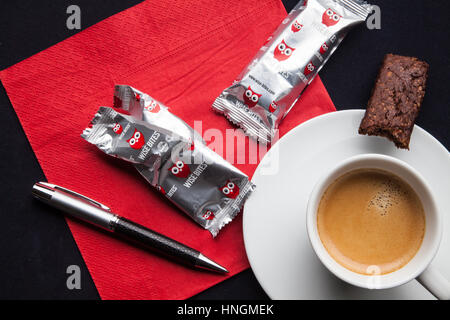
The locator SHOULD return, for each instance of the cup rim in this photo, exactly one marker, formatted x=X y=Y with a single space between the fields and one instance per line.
x=360 y=280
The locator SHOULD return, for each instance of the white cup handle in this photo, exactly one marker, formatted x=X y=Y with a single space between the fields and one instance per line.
x=435 y=282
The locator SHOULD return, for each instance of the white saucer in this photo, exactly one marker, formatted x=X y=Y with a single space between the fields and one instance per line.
x=274 y=217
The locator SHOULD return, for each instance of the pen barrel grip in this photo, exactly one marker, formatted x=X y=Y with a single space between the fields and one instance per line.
x=155 y=241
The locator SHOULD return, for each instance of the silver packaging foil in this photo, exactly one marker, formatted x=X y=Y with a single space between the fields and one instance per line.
x=171 y=156
x=269 y=86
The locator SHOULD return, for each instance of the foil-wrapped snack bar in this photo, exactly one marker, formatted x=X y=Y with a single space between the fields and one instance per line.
x=269 y=86
x=171 y=156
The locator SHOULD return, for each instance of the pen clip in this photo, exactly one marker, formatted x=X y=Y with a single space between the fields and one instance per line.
x=77 y=195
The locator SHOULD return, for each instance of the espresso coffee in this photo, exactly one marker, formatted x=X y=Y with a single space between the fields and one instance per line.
x=371 y=221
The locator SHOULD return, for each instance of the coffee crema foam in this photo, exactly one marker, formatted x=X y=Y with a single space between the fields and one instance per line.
x=370 y=219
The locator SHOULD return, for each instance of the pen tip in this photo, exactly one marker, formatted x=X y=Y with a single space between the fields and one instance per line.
x=206 y=263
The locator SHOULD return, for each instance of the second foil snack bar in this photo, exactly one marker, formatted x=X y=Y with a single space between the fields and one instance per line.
x=269 y=86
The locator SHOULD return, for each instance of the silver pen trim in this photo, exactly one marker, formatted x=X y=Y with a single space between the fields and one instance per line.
x=204 y=262
x=75 y=194
x=76 y=205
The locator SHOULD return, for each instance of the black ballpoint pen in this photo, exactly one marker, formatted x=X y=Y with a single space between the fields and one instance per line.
x=91 y=211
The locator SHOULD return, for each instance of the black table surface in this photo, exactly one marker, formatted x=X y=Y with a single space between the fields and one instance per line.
x=36 y=246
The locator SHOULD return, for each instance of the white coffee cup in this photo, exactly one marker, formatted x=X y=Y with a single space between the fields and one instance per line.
x=419 y=267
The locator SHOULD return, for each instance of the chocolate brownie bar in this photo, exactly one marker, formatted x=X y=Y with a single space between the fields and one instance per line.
x=396 y=99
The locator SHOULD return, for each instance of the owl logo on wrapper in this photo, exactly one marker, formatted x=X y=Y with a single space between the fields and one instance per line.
x=310 y=67
x=230 y=190
x=282 y=51
x=180 y=169
x=137 y=140
x=273 y=107
x=330 y=17
x=296 y=26
x=117 y=128
x=208 y=215
x=160 y=189
x=153 y=107
x=250 y=97
x=191 y=145
x=323 y=48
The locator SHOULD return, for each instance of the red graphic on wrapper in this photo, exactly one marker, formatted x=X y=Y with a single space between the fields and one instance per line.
x=138 y=97
x=180 y=169
x=191 y=145
x=296 y=26
x=309 y=68
x=324 y=48
x=160 y=189
x=251 y=98
x=330 y=17
x=137 y=140
x=273 y=107
x=230 y=190
x=208 y=215
x=282 y=51
x=153 y=107
x=117 y=128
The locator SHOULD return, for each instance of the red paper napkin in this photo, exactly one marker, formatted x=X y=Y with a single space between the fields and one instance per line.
x=182 y=54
